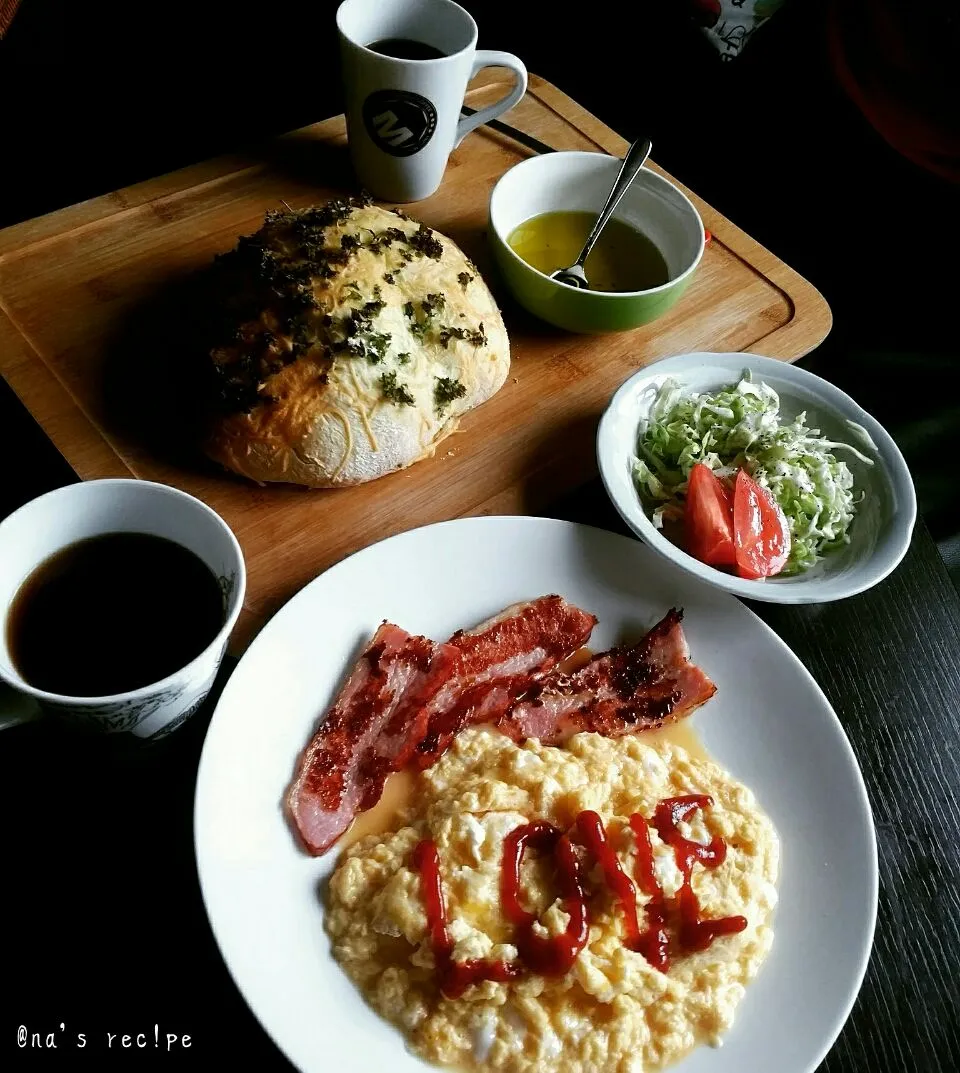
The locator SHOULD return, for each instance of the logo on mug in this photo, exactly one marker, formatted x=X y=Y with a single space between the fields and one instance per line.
x=399 y=122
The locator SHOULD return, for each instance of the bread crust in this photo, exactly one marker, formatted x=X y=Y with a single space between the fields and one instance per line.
x=356 y=338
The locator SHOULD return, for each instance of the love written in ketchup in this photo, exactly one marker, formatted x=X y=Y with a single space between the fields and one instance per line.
x=553 y=955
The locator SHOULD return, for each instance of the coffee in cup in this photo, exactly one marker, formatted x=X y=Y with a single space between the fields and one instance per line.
x=117 y=598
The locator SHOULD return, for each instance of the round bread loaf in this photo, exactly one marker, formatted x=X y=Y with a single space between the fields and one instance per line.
x=350 y=341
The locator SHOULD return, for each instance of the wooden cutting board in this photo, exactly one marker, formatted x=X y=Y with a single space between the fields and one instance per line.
x=72 y=283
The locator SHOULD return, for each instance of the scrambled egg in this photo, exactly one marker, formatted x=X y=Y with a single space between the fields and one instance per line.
x=612 y=1012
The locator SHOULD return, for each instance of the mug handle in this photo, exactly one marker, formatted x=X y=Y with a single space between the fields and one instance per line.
x=16 y=707
x=488 y=58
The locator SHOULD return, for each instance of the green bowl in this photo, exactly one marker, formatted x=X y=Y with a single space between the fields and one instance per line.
x=581 y=181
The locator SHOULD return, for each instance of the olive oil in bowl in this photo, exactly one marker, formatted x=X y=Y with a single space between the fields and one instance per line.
x=623 y=259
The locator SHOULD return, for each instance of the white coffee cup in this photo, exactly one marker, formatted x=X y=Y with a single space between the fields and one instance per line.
x=46 y=525
x=403 y=115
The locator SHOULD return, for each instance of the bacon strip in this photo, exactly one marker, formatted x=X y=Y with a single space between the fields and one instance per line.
x=408 y=697
x=499 y=658
x=623 y=691
x=381 y=709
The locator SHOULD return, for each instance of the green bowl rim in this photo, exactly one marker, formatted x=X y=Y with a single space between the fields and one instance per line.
x=663 y=287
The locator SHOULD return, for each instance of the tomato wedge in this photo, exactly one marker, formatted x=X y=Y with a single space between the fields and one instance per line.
x=709 y=518
x=760 y=532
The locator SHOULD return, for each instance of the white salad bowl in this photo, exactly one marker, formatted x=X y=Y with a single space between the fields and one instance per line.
x=879 y=534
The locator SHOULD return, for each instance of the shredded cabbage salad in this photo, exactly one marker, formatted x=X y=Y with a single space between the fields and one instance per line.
x=739 y=427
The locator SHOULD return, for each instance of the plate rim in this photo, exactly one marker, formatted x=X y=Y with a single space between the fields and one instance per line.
x=863 y=955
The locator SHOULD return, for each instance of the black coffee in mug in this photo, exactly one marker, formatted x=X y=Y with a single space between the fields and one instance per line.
x=405 y=48
x=113 y=613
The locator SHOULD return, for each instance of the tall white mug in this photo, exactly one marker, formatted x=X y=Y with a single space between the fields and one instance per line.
x=403 y=114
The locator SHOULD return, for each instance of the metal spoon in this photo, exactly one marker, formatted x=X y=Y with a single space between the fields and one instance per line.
x=632 y=163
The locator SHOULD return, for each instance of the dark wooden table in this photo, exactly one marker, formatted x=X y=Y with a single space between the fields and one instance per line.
x=105 y=932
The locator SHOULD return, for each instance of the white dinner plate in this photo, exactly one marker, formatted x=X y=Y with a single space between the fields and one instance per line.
x=769 y=724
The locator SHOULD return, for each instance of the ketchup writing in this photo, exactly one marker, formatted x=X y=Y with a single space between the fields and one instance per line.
x=595 y=839
x=545 y=954
x=653 y=943
x=553 y=955
x=454 y=976
x=695 y=934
